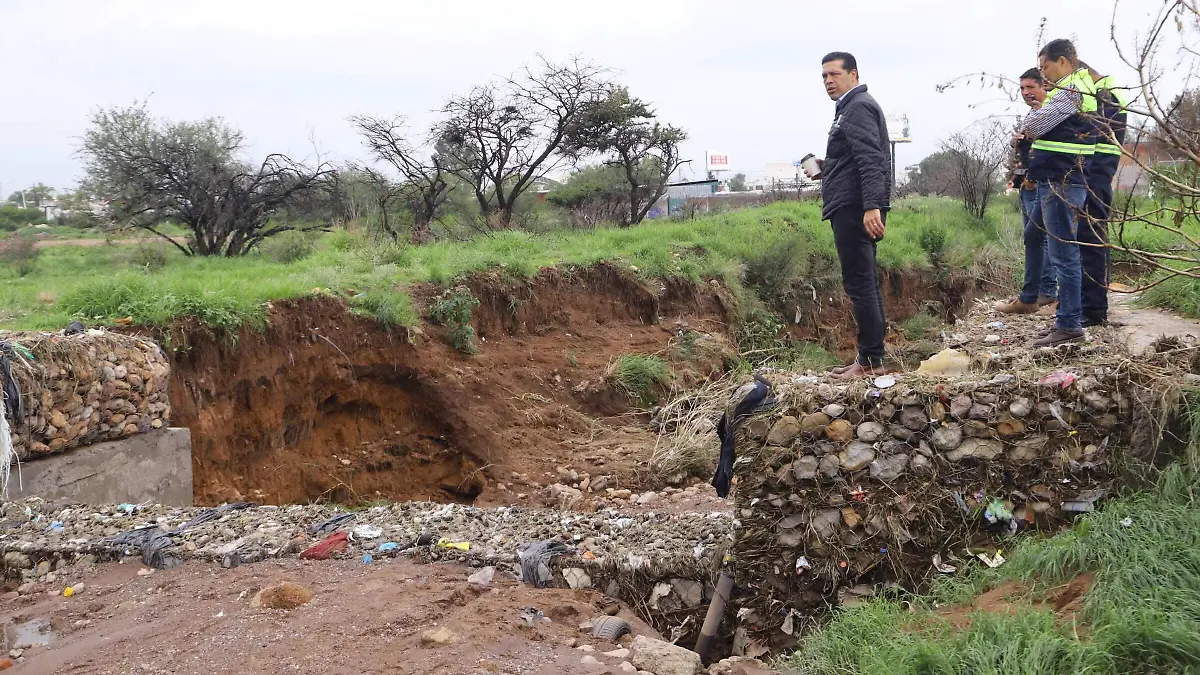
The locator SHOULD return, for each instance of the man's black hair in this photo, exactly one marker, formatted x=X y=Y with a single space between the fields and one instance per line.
x=847 y=59
x=1058 y=49
x=1032 y=74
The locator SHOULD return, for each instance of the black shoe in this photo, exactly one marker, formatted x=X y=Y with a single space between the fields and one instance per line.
x=1092 y=321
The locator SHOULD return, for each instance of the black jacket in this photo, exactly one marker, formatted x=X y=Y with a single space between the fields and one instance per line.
x=858 y=161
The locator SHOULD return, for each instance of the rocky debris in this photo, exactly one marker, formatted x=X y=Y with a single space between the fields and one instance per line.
x=663 y=658
x=784 y=431
x=576 y=578
x=740 y=665
x=839 y=431
x=87 y=388
x=285 y=595
x=483 y=578
x=438 y=637
x=856 y=456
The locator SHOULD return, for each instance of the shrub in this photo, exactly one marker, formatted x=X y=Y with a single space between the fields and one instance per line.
x=150 y=257
x=19 y=252
x=289 y=247
x=639 y=375
x=453 y=310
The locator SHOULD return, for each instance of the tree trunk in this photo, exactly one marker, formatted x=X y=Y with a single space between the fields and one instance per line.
x=421 y=234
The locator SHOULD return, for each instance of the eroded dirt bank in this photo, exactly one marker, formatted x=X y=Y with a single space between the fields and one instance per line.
x=327 y=405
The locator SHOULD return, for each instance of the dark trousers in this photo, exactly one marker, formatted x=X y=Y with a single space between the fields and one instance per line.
x=1095 y=260
x=856 y=253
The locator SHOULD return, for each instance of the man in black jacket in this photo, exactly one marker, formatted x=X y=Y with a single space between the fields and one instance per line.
x=856 y=188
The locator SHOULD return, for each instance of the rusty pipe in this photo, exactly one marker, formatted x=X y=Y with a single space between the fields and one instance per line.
x=716 y=610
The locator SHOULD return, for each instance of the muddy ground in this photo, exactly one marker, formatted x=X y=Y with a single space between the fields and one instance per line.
x=198 y=619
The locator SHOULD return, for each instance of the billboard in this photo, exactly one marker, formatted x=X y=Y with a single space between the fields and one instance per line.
x=718 y=161
x=897 y=126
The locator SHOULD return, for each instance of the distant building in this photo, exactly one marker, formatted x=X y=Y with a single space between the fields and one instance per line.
x=1144 y=151
x=777 y=176
x=51 y=209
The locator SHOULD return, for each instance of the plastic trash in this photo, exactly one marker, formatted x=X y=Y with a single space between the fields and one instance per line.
x=1059 y=378
x=997 y=325
x=367 y=559
x=367 y=532
x=802 y=564
x=993 y=561
x=962 y=503
x=1127 y=522
x=389 y=547
x=1003 y=378
x=885 y=381
x=992 y=339
x=941 y=566
x=336 y=521
x=333 y=544
x=457 y=545
x=997 y=512
x=946 y=362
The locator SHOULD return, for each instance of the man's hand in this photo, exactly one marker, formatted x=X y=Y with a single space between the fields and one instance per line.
x=1017 y=138
x=873 y=223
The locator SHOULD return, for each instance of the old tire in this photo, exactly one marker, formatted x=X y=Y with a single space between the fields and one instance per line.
x=610 y=628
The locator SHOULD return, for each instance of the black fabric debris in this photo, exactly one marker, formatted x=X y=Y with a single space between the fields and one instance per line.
x=748 y=398
x=211 y=514
x=535 y=561
x=14 y=407
x=75 y=328
x=153 y=543
x=332 y=524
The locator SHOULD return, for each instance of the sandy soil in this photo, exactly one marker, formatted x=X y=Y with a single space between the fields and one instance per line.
x=362 y=619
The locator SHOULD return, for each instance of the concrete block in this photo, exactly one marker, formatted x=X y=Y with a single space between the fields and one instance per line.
x=153 y=467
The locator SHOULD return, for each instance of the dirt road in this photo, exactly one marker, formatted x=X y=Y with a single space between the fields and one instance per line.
x=362 y=619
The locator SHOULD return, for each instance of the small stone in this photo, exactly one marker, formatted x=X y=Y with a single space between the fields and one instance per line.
x=856 y=456
x=589 y=660
x=902 y=433
x=627 y=667
x=758 y=429
x=814 y=425
x=17 y=560
x=839 y=431
x=825 y=522
x=77 y=589
x=482 y=578
x=914 y=417
x=850 y=517
x=1097 y=402
x=960 y=407
x=663 y=658
x=920 y=464
x=646 y=498
x=586 y=648
x=576 y=578
x=979 y=411
x=784 y=432
x=830 y=466
x=621 y=653
x=805 y=468
x=1010 y=427
x=438 y=637
x=834 y=410
x=985 y=449
x=888 y=469
x=869 y=432
x=948 y=437
x=1020 y=407
x=977 y=429
x=690 y=592
x=43 y=568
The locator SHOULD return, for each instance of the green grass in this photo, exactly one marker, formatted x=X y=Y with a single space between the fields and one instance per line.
x=104 y=283
x=920 y=326
x=1179 y=294
x=1142 y=613
x=639 y=376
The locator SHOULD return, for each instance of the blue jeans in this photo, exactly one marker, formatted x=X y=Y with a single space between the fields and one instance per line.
x=1040 y=278
x=1062 y=205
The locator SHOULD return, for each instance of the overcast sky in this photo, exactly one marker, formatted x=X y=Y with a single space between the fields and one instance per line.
x=739 y=77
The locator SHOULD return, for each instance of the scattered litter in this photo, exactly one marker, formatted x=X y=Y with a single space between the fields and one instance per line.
x=789 y=623
x=941 y=566
x=660 y=591
x=531 y=616
x=885 y=381
x=1127 y=522
x=368 y=559
x=127 y=508
x=208 y=515
x=535 y=561
x=858 y=495
x=946 y=362
x=456 y=545
x=68 y=592
x=332 y=524
x=1085 y=502
x=997 y=512
x=1059 y=378
x=332 y=545
x=991 y=561
x=389 y=547
x=610 y=628
x=483 y=577
x=1002 y=378
x=152 y=542
x=802 y=564
x=962 y=503
x=367 y=532
x=997 y=325
x=992 y=339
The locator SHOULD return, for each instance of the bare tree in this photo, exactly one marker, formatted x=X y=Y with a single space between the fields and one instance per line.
x=424 y=184
x=501 y=138
x=974 y=156
x=623 y=130
x=192 y=173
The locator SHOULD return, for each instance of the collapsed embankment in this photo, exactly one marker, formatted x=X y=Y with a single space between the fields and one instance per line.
x=328 y=405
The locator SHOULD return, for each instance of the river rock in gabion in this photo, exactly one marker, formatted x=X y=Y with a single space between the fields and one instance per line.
x=905 y=473
x=87 y=388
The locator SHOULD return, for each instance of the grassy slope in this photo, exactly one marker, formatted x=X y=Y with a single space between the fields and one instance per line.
x=104 y=283
x=1142 y=614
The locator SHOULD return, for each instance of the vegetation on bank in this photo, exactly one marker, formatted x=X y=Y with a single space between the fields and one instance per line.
x=767 y=248
x=1141 y=614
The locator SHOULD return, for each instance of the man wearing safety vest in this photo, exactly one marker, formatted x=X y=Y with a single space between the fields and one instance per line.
x=1109 y=121
x=1064 y=138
